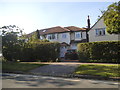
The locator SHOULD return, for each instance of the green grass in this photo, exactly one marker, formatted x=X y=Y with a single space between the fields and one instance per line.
x=18 y=66
x=103 y=70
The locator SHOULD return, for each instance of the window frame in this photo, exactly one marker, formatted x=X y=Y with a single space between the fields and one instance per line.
x=100 y=32
x=78 y=35
x=51 y=36
x=64 y=35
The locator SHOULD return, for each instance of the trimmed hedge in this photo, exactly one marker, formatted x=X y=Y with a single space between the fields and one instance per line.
x=33 y=51
x=40 y=51
x=106 y=51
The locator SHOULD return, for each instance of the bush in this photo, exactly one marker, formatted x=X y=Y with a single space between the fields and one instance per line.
x=40 y=51
x=106 y=51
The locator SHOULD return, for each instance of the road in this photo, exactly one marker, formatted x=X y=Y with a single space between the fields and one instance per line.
x=35 y=81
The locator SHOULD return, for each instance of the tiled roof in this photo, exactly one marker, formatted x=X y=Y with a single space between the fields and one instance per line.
x=74 y=28
x=57 y=29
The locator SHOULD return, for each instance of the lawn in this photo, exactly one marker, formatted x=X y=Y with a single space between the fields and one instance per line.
x=103 y=70
x=18 y=66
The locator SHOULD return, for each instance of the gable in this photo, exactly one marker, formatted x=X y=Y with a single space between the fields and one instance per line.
x=98 y=24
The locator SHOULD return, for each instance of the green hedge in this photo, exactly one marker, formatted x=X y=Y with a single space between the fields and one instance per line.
x=33 y=51
x=41 y=51
x=106 y=51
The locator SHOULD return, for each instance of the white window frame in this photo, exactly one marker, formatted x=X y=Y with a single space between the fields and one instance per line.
x=51 y=36
x=64 y=35
x=100 y=32
x=78 y=34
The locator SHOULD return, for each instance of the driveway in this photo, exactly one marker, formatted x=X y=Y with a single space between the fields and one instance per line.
x=56 y=69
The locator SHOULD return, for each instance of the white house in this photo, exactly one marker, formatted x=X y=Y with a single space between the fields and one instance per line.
x=69 y=37
x=98 y=32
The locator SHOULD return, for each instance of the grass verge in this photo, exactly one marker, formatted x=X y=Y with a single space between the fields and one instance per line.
x=18 y=66
x=98 y=70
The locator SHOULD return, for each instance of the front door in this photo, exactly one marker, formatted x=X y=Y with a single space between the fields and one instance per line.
x=63 y=49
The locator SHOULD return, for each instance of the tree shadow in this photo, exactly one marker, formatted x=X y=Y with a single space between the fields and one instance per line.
x=39 y=81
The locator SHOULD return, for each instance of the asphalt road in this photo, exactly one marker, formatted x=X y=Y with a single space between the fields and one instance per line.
x=35 y=81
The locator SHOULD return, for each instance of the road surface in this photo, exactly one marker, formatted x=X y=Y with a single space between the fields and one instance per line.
x=35 y=81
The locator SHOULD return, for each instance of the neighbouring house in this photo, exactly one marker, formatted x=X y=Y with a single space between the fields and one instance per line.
x=69 y=37
x=98 y=32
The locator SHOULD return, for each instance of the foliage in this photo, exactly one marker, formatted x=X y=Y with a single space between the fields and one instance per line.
x=15 y=47
x=40 y=51
x=35 y=37
x=112 y=18
x=10 y=42
x=106 y=51
x=99 y=70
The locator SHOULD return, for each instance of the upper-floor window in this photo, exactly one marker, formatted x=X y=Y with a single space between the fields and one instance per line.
x=64 y=35
x=100 y=31
x=51 y=36
x=78 y=35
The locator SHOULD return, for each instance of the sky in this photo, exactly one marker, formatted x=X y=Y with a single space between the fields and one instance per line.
x=31 y=16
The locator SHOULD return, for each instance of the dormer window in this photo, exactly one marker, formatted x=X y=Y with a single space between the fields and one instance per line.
x=44 y=30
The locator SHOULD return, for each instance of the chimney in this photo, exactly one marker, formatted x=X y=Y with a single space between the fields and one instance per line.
x=88 y=21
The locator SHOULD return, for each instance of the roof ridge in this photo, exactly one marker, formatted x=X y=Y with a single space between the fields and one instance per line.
x=65 y=28
x=49 y=28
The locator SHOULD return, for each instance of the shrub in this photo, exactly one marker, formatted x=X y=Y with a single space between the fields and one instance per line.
x=106 y=51
x=40 y=51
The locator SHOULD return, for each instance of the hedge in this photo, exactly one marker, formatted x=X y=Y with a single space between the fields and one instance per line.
x=106 y=51
x=35 y=51
x=41 y=51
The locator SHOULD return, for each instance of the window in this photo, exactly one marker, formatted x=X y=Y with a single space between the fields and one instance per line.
x=51 y=36
x=64 y=35
x=100 y=31
x=78 y=35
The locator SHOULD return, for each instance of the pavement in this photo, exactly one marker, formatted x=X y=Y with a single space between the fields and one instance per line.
x=37 y=81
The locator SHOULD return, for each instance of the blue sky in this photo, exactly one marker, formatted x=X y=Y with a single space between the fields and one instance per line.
x=39 y=15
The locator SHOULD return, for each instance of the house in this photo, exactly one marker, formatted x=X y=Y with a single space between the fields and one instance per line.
x=98 y=32
x=69 y=37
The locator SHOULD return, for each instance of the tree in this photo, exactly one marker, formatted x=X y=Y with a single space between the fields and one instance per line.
x=35 y=37
x=112 y=18
x=10 y=41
